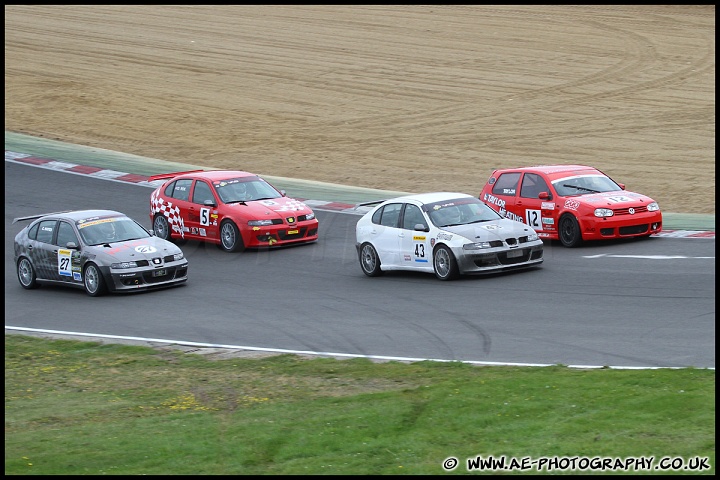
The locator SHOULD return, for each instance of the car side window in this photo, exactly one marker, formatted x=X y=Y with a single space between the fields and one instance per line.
x=32 y=233
x=202 y=193
x=391 y=215
x=46 y=230
x=506 y=184
x=532 y=185
x=65 y=234
x=181 y=190
x=412 y=217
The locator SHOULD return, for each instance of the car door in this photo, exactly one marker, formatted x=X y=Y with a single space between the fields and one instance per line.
x=536 y=212
x=44 y=253
x=202 y=211
x=385 y=234
x=181 y=200
x=68 y=258
x=503 y=195
x=415 y=250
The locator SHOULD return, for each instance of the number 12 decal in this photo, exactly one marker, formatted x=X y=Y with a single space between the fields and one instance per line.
x=532 y=218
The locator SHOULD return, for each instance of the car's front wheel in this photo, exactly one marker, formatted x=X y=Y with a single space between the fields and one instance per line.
x=26 y=274
x=444 y=263
x=569 y=231
x=230 y=238
x=94 y=282
x=369 y=260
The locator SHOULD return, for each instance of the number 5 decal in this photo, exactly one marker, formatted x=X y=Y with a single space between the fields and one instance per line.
x=532 y=218
x=205 y=216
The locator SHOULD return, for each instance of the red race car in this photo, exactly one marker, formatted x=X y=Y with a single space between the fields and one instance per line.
x=571 y=203
x=232 y=209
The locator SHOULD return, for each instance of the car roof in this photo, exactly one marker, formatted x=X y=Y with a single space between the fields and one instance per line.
x=74 y=215
x=554 y=170
x=430 y=197
x=215 y=175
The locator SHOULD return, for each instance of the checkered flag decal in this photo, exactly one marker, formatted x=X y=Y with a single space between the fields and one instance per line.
x=158 y=205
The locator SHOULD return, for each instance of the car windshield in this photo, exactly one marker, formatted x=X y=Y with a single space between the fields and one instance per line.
x=584 y=184
x=459 y=211
x=100 y=231
x=235 y=190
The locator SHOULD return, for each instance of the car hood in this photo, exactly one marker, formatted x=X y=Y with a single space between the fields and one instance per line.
x=618 y=199
x=272 y=208
x=494 y=230
x=133 y=250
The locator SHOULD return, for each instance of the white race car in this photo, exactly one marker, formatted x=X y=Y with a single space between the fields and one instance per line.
x=445 y=233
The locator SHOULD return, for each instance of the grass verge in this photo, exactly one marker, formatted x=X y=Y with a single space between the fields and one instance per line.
x=80 y=408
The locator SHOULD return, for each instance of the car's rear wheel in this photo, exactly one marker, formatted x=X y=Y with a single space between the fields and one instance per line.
x=444 y=263
x=161 y=227
x=230 y=238
x=369 y=260
x=93 y=280
x=26 y=274
x=569 y=231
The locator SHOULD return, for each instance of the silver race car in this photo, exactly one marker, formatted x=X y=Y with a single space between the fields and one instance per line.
x=98 y=250
x=444 y=233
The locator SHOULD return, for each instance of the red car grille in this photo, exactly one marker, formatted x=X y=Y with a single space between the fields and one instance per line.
x=626 y=211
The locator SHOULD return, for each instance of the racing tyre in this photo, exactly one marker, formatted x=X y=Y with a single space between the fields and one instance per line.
x=93 y=280
x=26 y=274
x=444 y=263
x=569 y=231
x=369 y=261
x=230 y=239
x=161 y=227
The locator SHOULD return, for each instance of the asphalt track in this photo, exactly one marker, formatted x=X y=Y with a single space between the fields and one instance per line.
x=634 y=304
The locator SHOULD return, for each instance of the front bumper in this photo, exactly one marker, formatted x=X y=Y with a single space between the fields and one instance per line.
x=146 y=278
x=499 y=259
x=277 y=235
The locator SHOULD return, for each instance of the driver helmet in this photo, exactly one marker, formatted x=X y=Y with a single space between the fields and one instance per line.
x=107 y=231
x=450 y=215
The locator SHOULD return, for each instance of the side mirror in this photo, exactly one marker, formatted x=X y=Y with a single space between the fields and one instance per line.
x=421 y=228
x=71 y=245
x=282 y=192
x=622 y=186
x=210 y=203
x=544 y=196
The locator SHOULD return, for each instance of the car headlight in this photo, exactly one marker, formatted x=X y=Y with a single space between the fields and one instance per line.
x=603 y=212
x=260 y=223
x=178 y=256
x=653 y=207
x=120 y=265
x=309 y=216
x=532 y=237
x=476 y=246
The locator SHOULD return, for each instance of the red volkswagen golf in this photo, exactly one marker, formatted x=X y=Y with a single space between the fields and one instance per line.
x=232 y=209
x=571 y=203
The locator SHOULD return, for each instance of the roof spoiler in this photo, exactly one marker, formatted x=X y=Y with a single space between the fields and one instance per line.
x=165 y=176
x=368 y=204
x=35 y=217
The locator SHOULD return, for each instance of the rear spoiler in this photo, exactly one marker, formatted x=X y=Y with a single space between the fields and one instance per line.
x=368 y=204
x=166 y=176
x=35 y=217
